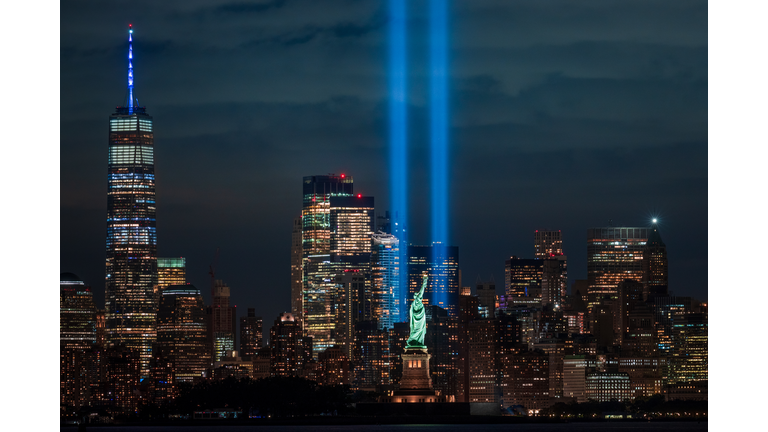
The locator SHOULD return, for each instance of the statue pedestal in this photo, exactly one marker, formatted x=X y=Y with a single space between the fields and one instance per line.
x=416 y=383
x=416 y=370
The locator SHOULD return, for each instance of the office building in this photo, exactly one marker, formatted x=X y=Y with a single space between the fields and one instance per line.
x=131 y=264
x=77 y=314
x=371 y=357
x=250 y=334
x=689 y=359
x=554 y=281
x=385 y=280
x=351 y=305
x=222 y=316
x=441 y=264
x=526 y=380
x=490 y=340
x=547 y=244
x=486 y=294
x=317 y=272
x=522 y=281
x=655 y=266
x=468 y=312
x=171 y=271
x=442 y=338
x=604 y=386
x=613 y=255
x=575 y=377
x=182 y=335
x=646 y=374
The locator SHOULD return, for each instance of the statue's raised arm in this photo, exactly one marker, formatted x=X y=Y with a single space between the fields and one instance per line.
x=418 y=320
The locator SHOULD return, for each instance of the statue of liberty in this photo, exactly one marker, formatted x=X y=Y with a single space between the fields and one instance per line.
x=418 y=320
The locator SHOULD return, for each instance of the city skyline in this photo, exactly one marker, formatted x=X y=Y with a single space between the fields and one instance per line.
x=489 y=226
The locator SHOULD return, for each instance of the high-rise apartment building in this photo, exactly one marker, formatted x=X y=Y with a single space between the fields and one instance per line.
x=171 y=271
x=182 y=332
x=223 y=318
x=131 y=264
x=441 y=264
x=613 y=254
x=289 y=351
x=547 y=244
x=250 y=334
x=385 y=279
x=317 y=271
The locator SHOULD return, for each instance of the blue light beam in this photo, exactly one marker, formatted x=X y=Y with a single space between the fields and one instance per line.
x=438 y=92
x=398 y=145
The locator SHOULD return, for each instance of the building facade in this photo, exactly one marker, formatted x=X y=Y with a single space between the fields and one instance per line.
x=317 y=271
x=250 y=334
x=222 y=315
x=385 y=279
x=171 y=271
x=131 y=264
x=182 y=334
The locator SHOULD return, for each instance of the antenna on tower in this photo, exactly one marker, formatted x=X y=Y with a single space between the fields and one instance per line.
x=130 y=68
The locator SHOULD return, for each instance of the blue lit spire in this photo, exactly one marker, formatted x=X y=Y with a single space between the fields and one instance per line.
x=130 y=69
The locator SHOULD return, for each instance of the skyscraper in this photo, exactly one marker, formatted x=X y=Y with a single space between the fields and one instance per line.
x=77 y=313
x=547 y=243
x=385 y=279
x=171 y=271
x=522 y=281
x=251 y=334
x=182 y=332
x=222 y=322
x=442 y=265
x=486 y=293
x=317 y=273
x=655 y=271
x=77 y=335
x=131 y=265
x=613 y=254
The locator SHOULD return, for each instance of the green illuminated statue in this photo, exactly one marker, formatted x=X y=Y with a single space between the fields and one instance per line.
x=418 y=320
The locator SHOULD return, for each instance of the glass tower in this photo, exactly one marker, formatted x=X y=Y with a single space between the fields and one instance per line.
x=385 y=275
x=131 y=265
x=317 y=270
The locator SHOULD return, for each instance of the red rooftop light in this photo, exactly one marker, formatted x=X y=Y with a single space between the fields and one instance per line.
x=342 y=176
x=359 y=195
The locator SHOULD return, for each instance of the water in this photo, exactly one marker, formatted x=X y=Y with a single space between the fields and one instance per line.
x=657 y=426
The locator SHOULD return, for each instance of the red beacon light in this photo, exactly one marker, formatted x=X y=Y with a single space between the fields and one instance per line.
x=342 y=176
x=359 y=195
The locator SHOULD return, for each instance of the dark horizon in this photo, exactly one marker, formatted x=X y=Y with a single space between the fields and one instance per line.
x=557 y=123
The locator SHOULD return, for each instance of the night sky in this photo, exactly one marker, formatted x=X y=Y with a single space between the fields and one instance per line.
x=564 y=115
